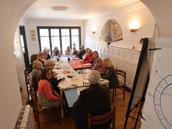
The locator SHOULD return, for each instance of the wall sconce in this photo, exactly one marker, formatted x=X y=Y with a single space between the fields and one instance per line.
x=134 y=25
x=93 y=29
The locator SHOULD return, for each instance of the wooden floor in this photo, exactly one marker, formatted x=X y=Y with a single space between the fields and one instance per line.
x=49 y=121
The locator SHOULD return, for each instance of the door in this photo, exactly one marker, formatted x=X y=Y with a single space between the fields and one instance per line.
x=24 y=45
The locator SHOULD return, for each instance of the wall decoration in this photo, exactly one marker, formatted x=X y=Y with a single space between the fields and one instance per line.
x=111 y=31
x=33 y=35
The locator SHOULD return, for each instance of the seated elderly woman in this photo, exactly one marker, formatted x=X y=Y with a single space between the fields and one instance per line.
x=88 y=58
x=42 y=58
x=110 y=73
x=35 y=75
x=99 y=66
x=47 y=96
x=74 y=52
x=95 y=56
x=33 y=58
x=94 y=100
x=51 y=64
x=46 y=54
x=68 y=51
x=56 y=52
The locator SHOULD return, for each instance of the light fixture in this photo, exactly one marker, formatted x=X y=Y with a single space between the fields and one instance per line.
x=59 y=8
x=93 y=29
x=134 y=25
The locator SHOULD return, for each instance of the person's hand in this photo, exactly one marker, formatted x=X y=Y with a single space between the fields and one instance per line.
x=55 y=74
x=63 y=78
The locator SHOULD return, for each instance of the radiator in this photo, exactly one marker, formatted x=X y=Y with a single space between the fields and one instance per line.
x=24 y=118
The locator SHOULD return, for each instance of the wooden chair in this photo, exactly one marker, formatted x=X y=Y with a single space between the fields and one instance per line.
x=102 y=119
x=37 y=109
x=122 y=82
x=26 y=73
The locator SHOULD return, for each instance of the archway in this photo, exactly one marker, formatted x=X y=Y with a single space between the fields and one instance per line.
x=10 y=12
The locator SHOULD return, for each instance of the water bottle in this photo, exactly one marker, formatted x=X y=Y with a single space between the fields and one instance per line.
x=68 y=59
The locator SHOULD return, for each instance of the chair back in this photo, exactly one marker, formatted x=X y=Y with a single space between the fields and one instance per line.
x=102 y=119
x=121 y=77
x=122 y=82
x=35 y=107
x=26 y=74
x=33 y=83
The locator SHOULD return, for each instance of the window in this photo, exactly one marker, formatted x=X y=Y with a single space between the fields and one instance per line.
x=61 y=37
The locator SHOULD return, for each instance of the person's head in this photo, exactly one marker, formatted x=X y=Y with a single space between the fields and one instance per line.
x=95 y=54
x=45 y=51
x=90 y=52
x=82 y=47
x=34 y=57
x=41 y=55
x=56 y=48
x=94 y=77
x=68 y=48
x=74 y=48
x=46 y=74
x=37 y=64
x=99 y=61
x=87 y=50
x=50 y=64
x=107 y=62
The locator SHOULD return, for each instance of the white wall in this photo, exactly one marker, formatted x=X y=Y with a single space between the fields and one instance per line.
x=31 y=24
x=10 y=12
x=121 y=52
x=123 y=16
x=161 y=9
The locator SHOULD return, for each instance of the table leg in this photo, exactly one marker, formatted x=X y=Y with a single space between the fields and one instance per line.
x=62 y=110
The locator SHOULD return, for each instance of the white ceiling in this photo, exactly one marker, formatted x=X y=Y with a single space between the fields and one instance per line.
x=77 y=9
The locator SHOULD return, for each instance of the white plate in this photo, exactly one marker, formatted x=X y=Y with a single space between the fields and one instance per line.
x=88 y=64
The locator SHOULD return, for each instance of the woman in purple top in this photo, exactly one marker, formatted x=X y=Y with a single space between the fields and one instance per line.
x=99 y=66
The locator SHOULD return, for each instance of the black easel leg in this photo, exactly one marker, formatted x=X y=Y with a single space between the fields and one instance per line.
x=126 y=120
x=138 y=114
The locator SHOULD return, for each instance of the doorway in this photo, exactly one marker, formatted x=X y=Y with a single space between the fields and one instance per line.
x=24 y=45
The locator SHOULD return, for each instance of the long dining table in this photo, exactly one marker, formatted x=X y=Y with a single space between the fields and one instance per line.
x=73 y=79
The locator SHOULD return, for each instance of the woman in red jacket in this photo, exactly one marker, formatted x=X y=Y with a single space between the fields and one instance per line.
x=48 y=97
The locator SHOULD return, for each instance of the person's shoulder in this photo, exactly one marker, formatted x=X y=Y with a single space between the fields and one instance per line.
x=43 y=81
x=85 y=91
x=104 y=88
x=112 y=68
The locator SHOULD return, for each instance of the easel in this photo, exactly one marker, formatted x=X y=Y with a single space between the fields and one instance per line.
x=142 y=64
x=139 y=105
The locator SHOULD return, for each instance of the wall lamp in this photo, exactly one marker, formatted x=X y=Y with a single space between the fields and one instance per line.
x=93 y=29
x=134 y=25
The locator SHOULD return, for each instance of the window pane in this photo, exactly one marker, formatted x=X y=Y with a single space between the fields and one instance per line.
x=75 y=32
x=54 y=32
x=75 y=40
x=65 y=32
x=65 y=43
x=55 y=42
x=45 y=44
x=43 y=32
x=22 y=43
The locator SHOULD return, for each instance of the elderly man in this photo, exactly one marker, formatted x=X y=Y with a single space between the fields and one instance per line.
x=88 y=58
x=81 y=53
x=94 y=100
x=35 y=75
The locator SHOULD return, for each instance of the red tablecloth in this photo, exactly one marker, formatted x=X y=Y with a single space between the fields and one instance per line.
x=76 y=64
